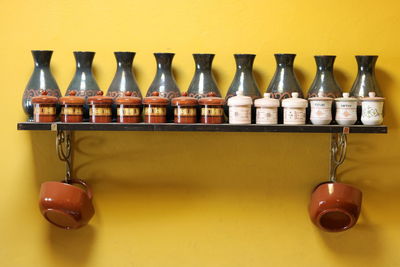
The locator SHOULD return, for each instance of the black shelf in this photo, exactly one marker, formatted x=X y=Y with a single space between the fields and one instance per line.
x=198 y=127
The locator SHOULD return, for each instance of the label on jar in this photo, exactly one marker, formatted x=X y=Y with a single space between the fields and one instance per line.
x=44 y=110
x=321 y=113
x=99 y=111
x=206 y=111
x=71 y=111
x=239 y=115
x=294 y=115
x=267 y=116
x=346 y=113
x=124 y=111
x=179 y=111
x=155 y=111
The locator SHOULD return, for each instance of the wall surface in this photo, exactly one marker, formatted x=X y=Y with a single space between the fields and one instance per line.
x=199 y=199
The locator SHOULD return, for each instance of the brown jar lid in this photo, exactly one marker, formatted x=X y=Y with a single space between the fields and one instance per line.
x=43 y=98
x=184 y=100
x=128 y=99
x=155 y=99
x=72 y=99
x=100 y=99
x=212 y=100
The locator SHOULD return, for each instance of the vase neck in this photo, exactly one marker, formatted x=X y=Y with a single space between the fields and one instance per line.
x=324 y=63
x=42 y=58
x=164 y=61
x=124 y=59
x=285 y=60
x=203 y=62
x=244 y=62
x=366 y=64
x=84 y=60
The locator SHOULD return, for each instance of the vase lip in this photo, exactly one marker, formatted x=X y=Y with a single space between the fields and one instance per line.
x=163 y=53
x=84 y=52
x=42 y=50
x=285 y=54
x=203 y=54
x=325 y=56
x=125 y=52
x=244 y=54
x=366 y=55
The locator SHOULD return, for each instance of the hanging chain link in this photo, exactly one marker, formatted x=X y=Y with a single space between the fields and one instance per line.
x=64 y=148
x=338 y=153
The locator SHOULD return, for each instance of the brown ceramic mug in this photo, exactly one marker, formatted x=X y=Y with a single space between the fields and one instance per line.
x=335 y=207
x=65 y=205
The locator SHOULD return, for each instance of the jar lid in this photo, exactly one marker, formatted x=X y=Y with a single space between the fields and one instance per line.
x=43 y=98
x=155 y=99
x=184 y=100
x=321 y=97
x=294 y=102
x=71 y=99
x=212 y=100
x=128 y=99
x=266 y=102
x=240 y=100
x=100 y=99
x=372 y=97
x=345 y=98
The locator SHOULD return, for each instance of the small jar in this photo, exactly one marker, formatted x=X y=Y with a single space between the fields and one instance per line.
x=372 y=109
x=267 y=109
x=128 y=108
x=100 y=108
x=346 y=110
x=321 y=109
x=185 y=109
x=155 y=108
x=240 y=109
x=294 y=110
x=44 y=107
x=212 y=109
x=71 y=107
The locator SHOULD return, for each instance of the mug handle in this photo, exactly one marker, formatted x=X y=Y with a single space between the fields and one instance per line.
x=82 y=183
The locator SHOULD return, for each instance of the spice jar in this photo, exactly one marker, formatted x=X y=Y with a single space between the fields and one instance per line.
x=100 y=108
x=321 y=109
x=185 y=109
x=44 y=107
x=294 y=110
x=71 y=107
x=372 y=109
x=267 y=110
x=212 y=109
x=155 y=108
x=346 y=110
x=128 y=108
x=240 y=109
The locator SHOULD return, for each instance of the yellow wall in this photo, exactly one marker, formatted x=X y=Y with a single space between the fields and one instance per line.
x=199 y=199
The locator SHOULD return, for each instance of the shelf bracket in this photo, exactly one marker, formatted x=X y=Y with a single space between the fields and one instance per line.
x=337 y=152
x=64 y=151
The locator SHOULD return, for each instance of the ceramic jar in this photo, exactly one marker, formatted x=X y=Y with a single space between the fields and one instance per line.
x=71 y=108
x=346 y=110
x=100 y=108
x=267 y=110
x=44 y=107
x=294 y=110
x=240 y=108
x=155 y=108
x=185 y=109
x=128 y=108
x=372 y=109
x=321 y=109
x=212 y=109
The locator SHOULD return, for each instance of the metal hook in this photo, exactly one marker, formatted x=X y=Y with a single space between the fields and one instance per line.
x=64 y=148
x=338 y=153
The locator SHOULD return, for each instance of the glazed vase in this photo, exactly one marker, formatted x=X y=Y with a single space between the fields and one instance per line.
x=164 y=82
x=41 y=79
x=203 y=81
x=83 y=81
x=284 y=82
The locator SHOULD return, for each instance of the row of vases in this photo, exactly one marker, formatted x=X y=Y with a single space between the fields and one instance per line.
x=283 y=83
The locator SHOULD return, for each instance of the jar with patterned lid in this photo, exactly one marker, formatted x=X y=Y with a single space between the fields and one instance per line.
x=267 y=109
x=44 y=107
x=372 y=109
x=71 y=107
x=346 y=110
x=100 y=108
x=185 y=109
x=240 y=109
x=212 y=109
x=155 y=108
x=321 y=109
x=128 y=108
x=294 y=110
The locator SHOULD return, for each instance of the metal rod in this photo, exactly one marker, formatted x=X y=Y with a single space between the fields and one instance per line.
x=64 y=151
x=338 y=153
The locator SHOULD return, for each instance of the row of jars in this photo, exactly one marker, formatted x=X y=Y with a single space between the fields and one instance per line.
x=282 y=85
x=185 y=109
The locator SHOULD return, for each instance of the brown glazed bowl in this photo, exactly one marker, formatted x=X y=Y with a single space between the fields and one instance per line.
x=65 y=205
x=335 y=207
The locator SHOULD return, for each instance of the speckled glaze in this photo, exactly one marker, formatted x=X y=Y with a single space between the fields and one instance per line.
x=83 y=81
x=366 y=80
x=41 y=79
x=203 y=81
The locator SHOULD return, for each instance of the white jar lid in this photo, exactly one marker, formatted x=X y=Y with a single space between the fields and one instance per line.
x=345 y=98
x=372 y=97
x=240 y=100
x=321 y=97
x=294 y=102
x=266 y=102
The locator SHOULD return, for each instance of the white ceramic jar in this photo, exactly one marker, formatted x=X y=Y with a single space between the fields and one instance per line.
x=372 y=109
x=267 y=110
x=240 y=109
x=294 y=110
x=321 y=109
x=346 y=110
